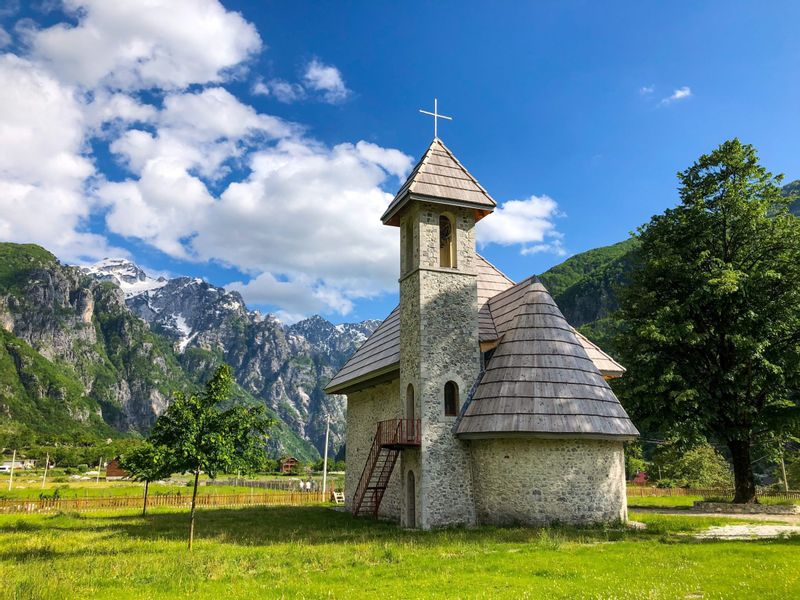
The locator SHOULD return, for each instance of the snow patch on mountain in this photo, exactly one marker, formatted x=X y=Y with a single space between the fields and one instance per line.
x=130 y=278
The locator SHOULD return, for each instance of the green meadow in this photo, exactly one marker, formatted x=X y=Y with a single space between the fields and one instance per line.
x=315 y=552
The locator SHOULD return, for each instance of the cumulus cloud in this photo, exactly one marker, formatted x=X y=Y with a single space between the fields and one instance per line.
x=326 y=79
x=529 y=223
x=320 y=81
x=164 y=44
x=5 y=38
x=202 y=176
x=679 y=94
x=43 y=167
x=310 y=214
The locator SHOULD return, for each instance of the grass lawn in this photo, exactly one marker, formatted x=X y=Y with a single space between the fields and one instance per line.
x=314 y=552
x=687 y=501
x=662 y=501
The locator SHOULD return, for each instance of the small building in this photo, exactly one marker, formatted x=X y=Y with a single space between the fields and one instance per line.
x=115 y=471
x=493 y=407
x=289 y=464
x=19 y=463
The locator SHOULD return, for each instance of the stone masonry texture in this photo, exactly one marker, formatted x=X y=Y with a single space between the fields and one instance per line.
x=537 y=481
x=457 y=482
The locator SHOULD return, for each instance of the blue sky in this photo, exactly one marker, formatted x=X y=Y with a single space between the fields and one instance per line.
x=236 y=148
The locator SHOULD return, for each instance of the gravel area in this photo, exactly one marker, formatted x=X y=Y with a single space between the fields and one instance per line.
x=748 y=532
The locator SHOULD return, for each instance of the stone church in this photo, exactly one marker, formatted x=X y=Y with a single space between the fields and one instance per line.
x=475 y=401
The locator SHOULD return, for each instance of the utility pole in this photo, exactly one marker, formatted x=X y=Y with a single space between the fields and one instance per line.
x=325 y=460
x=46 y=464
x=783 y=470
x=11 y=473
x=99 y=466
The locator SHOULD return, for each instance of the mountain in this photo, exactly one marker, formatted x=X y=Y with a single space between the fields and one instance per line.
x=585 y=288
x=99 y=350
x=585 y=285
x=286 y=367
x=793 y=189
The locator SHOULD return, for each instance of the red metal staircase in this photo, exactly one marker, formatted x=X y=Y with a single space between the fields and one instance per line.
x=390 y=438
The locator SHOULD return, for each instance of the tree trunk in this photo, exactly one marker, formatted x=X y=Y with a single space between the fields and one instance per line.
x=744 y=480
x=194 y=504
x=144 y=507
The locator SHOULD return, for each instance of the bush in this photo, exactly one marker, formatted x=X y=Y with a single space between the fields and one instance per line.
x=698 y=467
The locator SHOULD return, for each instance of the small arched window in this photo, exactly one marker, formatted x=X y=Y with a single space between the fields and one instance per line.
x=450 y=399
x=447 y=243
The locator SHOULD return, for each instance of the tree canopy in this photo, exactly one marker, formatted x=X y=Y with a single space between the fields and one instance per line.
x=710 y=323
x=203 y=435
x=146 y=462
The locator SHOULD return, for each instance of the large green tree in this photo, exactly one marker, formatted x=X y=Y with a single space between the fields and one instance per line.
x=204 y=436
x=711 y=318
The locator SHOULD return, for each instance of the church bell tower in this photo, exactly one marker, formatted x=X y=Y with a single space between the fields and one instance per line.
x=436 y=210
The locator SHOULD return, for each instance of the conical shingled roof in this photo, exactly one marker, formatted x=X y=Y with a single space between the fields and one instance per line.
x=439 y=176
x=540 y=380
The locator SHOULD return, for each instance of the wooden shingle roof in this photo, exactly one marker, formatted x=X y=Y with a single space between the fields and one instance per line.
x=540 y=380
x=440 y=177
x=378 y=355
x=499 y=300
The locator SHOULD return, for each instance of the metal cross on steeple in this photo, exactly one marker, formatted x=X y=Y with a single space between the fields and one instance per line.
x=436 y=116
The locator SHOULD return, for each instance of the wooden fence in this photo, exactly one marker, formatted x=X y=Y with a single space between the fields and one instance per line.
x=159 y=500
x=287 y=485
x=640 y=491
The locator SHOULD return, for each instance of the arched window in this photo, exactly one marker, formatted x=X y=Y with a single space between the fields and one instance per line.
x=409 y=247
x=410 y=402
x=450 y=399
x=447 y=243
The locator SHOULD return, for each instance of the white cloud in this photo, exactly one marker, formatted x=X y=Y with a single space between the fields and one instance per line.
x=134 y=44
x=103 y=107
x=646 y=90
x=42 y=166
x=259 y=88
x=5 y=38
x=528 y=223
x=312 y=214
x=679 y=94
x=207 y=177
x=326 y=79
x=284 y=91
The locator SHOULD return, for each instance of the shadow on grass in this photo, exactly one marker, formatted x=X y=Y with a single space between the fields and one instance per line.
x=263 y=526
x=260 y=526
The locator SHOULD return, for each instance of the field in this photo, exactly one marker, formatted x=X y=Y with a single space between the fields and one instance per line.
x=29 y=486
x=315 y=552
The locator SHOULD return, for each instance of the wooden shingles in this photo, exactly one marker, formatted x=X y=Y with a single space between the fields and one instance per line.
x=540 y=380
x=500 y=301
x=380 y=351
x=440 y=175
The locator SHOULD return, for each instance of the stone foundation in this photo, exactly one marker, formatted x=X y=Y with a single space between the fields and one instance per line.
x=532 y=481
x=746 y=509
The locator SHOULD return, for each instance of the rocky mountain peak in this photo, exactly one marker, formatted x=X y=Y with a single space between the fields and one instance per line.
x=131 y=278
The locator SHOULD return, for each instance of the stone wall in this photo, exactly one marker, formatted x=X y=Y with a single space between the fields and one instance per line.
x=536 y=481
x=439 y=343
x=364 y=409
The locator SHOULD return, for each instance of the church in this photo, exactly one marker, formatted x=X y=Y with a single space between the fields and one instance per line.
x=475 y=402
